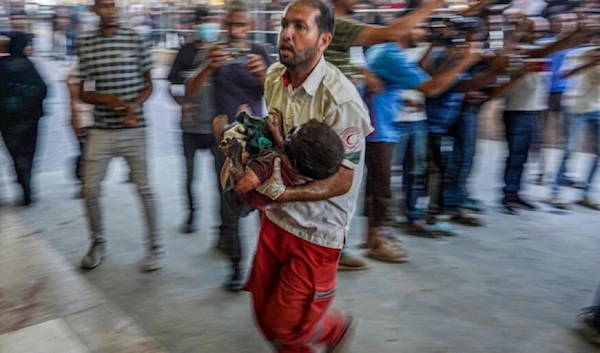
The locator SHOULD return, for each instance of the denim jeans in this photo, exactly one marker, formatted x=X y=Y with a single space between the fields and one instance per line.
x=465 y=139
x=519 y=127
x=575 y=132
x=411 y=152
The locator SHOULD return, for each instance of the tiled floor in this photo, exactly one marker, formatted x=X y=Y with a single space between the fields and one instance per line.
x=50 y=336
x=47 y=306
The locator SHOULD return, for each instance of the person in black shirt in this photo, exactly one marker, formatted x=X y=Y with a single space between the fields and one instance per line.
x=197 y=112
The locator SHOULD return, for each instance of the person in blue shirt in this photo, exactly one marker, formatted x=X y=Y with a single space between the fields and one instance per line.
x=452 y=132
x=389 y=62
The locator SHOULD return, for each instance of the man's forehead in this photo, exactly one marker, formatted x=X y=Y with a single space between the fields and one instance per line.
x=106 y=2
x=300 y=12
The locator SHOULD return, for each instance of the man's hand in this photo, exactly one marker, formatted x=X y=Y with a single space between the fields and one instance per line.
x=116 y=103
x=130 y=119
x=500 y=62
x=217 y=56
x=471 y=53
x=275 y=125
x=76 y=124
x=273 y=187
x=245 y=108
x=256 y=65
x=219 y=123
x=476 y=97
x=187 y=110
x=374 y=83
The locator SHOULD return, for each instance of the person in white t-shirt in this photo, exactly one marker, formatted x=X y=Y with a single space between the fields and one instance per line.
x=581 y=104
x=525 y=101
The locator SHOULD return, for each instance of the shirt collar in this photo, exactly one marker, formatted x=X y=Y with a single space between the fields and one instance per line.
x=313 y=80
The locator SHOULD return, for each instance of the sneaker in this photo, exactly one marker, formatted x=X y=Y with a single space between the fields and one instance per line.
x=558 y=203
x=189 y=227
x=236 y=281
x=588 y=318
x=94 y=256
x=473 y=205
x=153 y=261
x=526 y=205
x=518 y=202
x=508 y=208
x=349 y=262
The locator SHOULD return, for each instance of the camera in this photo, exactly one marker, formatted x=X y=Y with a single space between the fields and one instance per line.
x=237 y=55
x=454 y=30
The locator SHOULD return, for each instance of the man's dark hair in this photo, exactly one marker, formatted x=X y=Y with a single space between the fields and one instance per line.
x=315 y=150
x=326 y=19
x=201 y=12
x=236 y=6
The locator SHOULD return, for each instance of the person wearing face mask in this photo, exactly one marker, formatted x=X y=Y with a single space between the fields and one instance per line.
x=238 y=69
x=198 y=111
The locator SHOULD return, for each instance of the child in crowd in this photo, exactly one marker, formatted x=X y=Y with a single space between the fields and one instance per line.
x=312 y=152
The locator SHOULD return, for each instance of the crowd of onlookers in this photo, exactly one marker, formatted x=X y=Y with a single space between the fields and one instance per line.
x=423 y=89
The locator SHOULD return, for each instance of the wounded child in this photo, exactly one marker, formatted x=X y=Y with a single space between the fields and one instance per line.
x=312 y=151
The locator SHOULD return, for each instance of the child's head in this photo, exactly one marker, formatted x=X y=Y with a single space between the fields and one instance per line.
x=315 y=150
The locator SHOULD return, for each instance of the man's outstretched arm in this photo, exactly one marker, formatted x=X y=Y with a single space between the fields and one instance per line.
x=401 y=28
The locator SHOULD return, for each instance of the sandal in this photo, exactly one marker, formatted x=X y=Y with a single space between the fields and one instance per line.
x=474 y=206
x=586 y=202
x=466 y=219
x=388 y=252
x=421 y=230
x=382 y=234
x=560 y=205
x=443 y=229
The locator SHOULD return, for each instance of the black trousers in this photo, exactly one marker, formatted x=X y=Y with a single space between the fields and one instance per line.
x=229 y=230
x=21 y=142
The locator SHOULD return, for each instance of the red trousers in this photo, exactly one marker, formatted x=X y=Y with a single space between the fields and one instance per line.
x=293 y=285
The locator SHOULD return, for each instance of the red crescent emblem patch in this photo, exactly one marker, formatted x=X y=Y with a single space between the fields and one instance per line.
x=350 y=139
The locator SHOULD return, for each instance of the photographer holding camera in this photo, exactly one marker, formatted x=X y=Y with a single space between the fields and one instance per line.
x=452 y=139
x=238 y=69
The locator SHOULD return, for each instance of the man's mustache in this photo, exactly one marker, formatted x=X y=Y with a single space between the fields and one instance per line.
x=286 y=46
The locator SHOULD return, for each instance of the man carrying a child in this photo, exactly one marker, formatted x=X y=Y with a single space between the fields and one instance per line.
x=293 y=278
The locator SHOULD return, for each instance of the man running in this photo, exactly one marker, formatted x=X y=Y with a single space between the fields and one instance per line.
x=293 y=278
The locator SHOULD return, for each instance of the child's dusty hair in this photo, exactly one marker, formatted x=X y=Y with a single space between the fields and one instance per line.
x=315 y=150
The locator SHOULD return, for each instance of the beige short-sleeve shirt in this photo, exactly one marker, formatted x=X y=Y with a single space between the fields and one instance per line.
x=328 y=96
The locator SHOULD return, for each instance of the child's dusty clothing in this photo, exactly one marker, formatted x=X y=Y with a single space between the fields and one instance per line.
x=263 y=167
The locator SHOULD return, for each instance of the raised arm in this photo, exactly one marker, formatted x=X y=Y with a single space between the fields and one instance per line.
x=215 y=59
x=591 y=62
x=442 y=81
x=498 y=66
x=401 y=28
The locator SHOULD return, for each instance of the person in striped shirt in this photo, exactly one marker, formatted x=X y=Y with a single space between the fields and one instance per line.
x=114 y=71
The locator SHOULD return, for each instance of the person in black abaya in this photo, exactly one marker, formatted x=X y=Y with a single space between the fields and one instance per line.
x=22 y=92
